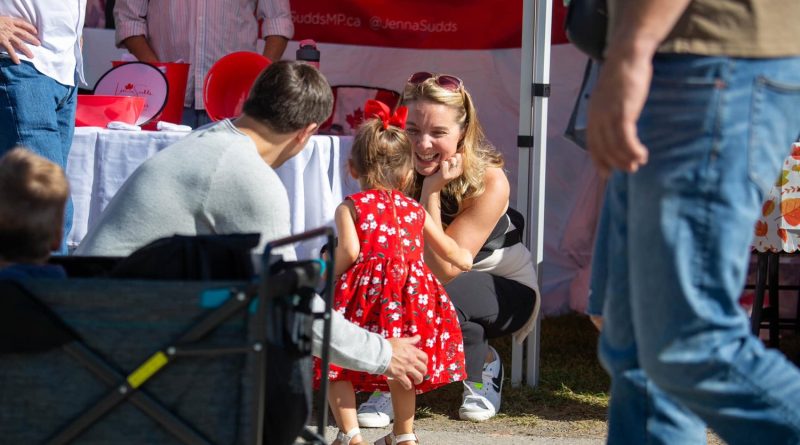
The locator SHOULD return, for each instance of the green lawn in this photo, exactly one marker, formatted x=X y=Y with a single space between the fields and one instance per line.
x=572 y=384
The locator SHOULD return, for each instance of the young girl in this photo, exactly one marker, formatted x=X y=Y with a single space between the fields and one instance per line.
x=383 y=284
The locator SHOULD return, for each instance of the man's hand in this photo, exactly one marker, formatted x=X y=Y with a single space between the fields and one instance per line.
x=614 y=109
x=15 y=35
x=624 y=82
x=409 y=364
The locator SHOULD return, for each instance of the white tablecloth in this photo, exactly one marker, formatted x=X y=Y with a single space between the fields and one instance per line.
x=101 y=160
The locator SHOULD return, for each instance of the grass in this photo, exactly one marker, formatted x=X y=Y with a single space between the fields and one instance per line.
x=572 y=385
x=571 y=399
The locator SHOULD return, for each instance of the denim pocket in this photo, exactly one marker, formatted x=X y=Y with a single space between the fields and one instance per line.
x=678 y=111
x=677 y=127
x=775 y=124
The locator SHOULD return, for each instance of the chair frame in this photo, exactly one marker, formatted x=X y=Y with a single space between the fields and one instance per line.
x=768 y=283
x=129 y=387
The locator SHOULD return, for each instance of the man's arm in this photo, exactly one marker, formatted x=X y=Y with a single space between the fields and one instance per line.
x=278 y=26
x=274 y=46
x=140 y=48
x=638 y=28
x=130 y=17
x=15 y=36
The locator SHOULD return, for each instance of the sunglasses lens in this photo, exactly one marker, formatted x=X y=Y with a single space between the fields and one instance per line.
x=419 y=77
x=448 y=82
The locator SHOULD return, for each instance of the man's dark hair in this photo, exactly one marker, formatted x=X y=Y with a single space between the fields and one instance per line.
x=288 y=96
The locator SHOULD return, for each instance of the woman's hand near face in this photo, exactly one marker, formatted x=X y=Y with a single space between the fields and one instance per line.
x=472 y=227
x=449 y=169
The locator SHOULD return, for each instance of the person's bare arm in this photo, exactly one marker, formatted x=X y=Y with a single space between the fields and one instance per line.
x=15 y=36
x=624 y=81
x=472 y=227
x=277 y=26
x=130 y=19
x=348 y=247
x=140 y=48
x=274 y=46
x=444 y=246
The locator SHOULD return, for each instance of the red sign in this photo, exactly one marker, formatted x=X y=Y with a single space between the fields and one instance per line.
x=428 y=24
x=558 y=34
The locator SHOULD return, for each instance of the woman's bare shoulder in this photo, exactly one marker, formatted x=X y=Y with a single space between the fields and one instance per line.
x=497 y=189
x=495 y=196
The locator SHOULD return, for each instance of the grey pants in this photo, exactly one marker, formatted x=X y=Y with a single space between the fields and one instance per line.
x=488 y=306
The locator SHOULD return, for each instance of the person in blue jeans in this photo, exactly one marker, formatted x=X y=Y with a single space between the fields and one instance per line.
x=695 y=107
x=40 y=63
x=661 y=420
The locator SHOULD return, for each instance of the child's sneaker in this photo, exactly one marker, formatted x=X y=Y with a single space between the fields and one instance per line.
x=482 y=400
x=377 y=411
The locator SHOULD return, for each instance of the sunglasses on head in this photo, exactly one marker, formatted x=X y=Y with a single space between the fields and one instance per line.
x=446 y=81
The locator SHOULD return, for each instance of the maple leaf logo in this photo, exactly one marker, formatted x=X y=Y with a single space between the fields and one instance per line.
x=355 y=119
x=129 y=86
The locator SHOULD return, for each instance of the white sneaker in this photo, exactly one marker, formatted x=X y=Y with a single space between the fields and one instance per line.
x=482 y=400
x=377 y=411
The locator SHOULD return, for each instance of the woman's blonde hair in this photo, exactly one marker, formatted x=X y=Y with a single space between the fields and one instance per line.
x=477 y=152
x=381 y=157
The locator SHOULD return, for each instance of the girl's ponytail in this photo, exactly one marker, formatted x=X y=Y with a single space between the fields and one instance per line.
x=381 y=152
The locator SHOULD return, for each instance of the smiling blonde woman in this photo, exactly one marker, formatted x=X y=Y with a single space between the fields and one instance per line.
x=460 y=181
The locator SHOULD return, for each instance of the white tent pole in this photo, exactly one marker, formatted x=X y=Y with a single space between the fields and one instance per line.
x=534 y=90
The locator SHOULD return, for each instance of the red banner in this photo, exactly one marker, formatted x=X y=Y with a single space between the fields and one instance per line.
x=427 y=24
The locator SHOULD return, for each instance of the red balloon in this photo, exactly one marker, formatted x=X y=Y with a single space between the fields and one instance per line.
x=228 y=83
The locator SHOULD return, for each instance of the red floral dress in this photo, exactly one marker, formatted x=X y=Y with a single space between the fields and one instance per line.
x=390 y=290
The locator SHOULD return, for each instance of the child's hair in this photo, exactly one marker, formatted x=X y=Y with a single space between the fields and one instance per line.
x=33 y=193
x=381 y=157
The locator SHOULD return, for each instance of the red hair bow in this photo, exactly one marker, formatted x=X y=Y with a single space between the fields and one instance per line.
x=376 y=108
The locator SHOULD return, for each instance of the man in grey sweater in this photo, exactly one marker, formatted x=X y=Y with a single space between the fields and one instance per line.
x=221 y=179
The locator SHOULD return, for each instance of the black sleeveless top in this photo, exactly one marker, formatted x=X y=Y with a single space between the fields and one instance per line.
x=500 y=236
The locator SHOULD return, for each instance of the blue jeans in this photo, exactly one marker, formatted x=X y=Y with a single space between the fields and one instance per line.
x=717 y=130
x=39 y=113
x=649 y=416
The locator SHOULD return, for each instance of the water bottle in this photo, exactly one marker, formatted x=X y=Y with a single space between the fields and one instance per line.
x=308 y=52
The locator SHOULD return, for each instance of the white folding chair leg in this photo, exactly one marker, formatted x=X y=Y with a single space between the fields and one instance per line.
x=527 y=361
x=517 y=359
x=533 y=345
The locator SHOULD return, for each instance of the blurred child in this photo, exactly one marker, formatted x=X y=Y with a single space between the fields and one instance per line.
x=384 y=285
x=33 y=193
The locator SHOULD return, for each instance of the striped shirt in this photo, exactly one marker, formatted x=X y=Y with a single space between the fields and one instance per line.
x=200 y=32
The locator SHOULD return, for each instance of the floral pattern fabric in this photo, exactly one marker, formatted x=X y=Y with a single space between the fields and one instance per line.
x=778 y=227
x=389 y=290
